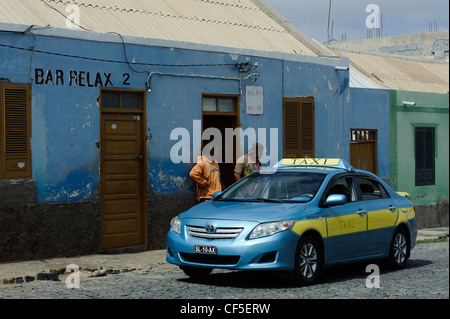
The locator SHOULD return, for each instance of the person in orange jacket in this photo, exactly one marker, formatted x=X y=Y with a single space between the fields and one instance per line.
x=206 y=176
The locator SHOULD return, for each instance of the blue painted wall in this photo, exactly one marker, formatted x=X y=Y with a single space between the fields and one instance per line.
x=330 y=90
x=369 y=109
x=65 y=116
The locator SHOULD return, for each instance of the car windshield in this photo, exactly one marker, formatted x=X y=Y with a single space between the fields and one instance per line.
x=277 y=187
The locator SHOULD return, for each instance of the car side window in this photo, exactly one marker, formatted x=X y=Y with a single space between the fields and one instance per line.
x=371 y=189
x=343 y=186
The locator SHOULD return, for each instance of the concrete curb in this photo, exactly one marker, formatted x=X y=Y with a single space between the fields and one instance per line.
x=432 y=233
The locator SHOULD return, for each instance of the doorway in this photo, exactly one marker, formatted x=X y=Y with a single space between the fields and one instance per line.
x=222 y=122
x=221 y=112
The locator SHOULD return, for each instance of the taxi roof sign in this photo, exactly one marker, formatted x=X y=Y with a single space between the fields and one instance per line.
x=319 y=162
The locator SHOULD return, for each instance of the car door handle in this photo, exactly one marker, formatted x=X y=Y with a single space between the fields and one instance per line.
x=392 y=208
x=361 y=212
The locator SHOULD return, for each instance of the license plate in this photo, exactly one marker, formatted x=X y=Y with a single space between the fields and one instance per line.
x=211 y=250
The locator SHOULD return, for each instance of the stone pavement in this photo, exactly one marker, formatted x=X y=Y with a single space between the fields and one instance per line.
x=103 y=264
x=90 y=265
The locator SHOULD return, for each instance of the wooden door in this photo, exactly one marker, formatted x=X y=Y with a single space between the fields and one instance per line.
x=123 y=176
x=363 y=149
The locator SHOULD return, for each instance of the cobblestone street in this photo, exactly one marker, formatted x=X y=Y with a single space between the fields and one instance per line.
x=426 y=277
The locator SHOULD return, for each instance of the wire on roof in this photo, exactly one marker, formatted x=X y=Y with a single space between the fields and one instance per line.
x=112 y=61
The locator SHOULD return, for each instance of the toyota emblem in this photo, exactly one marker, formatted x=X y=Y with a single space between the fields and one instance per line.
x=209 y=228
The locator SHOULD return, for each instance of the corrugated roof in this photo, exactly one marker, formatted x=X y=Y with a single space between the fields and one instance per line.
x=247 y=24
x=232 y=23
x=397 y=73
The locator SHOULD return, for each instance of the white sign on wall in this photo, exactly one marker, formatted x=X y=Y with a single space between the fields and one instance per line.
x=254 y=99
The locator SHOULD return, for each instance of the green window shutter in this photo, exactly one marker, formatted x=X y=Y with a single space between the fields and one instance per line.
x=425 y=156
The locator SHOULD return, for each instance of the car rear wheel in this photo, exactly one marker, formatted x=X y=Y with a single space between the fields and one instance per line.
x=399 y=250
x=308 y=261
x=195 y=272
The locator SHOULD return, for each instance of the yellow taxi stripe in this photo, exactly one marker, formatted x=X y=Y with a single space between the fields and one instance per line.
x=405 y=214
x=346 y=224
x=318 y=224
x=352 y=223
x=381 y=219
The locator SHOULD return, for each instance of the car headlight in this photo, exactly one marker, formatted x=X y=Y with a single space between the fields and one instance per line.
x=175 y=224
x=268 y=229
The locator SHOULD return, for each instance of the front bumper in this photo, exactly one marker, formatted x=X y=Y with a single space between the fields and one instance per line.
x=276 y=252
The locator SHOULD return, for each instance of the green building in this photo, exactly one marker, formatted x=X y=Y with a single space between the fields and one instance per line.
x=419 y=158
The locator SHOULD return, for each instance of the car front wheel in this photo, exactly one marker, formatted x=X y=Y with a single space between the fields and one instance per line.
x=309 y=261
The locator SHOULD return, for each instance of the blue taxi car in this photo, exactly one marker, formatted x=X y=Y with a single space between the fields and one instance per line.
x=302 y=216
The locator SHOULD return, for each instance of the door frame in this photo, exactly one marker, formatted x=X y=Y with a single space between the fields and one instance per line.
x=144 y=169
x=235 y=116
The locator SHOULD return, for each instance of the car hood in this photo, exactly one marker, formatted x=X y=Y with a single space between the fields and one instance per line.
x=250 y=211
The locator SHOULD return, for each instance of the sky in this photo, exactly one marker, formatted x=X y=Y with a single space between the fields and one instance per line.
x=399 y=17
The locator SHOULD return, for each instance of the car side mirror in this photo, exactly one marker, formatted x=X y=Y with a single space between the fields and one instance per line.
x=216 y=194
x=336 y=199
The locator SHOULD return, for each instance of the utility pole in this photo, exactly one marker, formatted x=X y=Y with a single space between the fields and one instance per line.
x=328 y=27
